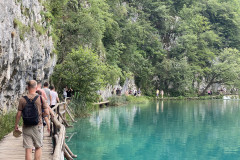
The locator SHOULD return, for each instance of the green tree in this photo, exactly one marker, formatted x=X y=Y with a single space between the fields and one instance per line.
x=175 y=76
x=82 y=71
x=224 y=70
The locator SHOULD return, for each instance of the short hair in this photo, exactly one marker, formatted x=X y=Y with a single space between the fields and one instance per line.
x=45 y=84
x=39 y=82
x=32 y=84
x=51 y=87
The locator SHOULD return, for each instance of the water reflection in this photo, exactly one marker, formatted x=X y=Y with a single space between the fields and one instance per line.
x=161 y=130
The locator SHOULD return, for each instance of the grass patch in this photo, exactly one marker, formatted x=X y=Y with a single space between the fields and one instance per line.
x=191 y=98
x=7 y=123
x=81 y=109
x=117 y=100
x=141 y=99
x=39 y=29
x=22 y=28
x=25 y=11
x=120 y=100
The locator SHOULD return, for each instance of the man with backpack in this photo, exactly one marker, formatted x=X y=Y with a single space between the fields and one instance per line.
x=30 y=109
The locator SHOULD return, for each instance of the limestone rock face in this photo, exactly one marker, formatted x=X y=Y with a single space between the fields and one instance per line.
x=25 y=48
x=129 y=84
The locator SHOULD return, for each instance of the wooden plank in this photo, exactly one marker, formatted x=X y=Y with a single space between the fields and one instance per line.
x=12 y=148
x=100 y=103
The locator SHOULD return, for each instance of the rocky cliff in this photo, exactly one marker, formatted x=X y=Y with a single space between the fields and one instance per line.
x=26 y=49
x=129 y=84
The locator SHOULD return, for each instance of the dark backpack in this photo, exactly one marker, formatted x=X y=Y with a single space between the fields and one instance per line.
x=30 y=113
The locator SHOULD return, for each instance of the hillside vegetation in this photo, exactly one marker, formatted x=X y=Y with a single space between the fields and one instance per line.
x=167 y=44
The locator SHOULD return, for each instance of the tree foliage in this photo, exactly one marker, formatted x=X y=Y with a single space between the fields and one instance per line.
x=81 y=70
x=168 y=44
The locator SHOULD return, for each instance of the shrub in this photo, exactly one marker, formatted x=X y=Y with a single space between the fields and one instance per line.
x=7 y=123
x=120 y=100
x=81 y=108
x=140 y=99
x=117 y=100
x=39 y=29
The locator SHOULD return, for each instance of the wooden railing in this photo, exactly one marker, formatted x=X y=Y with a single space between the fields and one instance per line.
x=58 y=131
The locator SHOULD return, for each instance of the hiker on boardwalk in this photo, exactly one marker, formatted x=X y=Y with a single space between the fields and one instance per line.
x=46 y=119
x=69 y=92
x=47 y=91
x=65 y=92
x=43 y=94
x=32 y=120
x=54 y=96
x=39 y=88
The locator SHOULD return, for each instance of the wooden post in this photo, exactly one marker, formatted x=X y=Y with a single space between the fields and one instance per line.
x=64 y=114
x=61 y=150
x=67 y=155
x=69 y=113
x=69 y=151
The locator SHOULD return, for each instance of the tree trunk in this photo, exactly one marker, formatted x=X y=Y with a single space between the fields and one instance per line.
x=206 y=88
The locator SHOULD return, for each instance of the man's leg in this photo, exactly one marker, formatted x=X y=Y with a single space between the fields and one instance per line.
x=28 y=153
x=38 y=153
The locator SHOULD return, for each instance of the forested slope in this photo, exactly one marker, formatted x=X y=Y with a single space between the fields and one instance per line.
x=180 y=46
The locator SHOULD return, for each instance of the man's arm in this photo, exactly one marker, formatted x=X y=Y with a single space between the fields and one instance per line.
x=58 y=99
x=18 y=116
x=46 y=118
x=44 y=95
x=50 y=99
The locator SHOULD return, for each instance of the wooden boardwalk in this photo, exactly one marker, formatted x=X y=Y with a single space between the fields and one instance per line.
x=102 y=103
x=11 y=148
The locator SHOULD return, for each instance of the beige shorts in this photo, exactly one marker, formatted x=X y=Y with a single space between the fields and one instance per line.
x=33 y=136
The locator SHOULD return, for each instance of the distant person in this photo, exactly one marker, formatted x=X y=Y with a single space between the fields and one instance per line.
x=69 y=92
x=162 y=93
x=157 y=93
x=113 y=91
x=126 y=93
x=65 y=92
x=209 y=92
x=54 y=95
x=130 y=92
x=32 y=121
x=135 y=93
x=118 y=92
x=47 y=91
x=139 y=92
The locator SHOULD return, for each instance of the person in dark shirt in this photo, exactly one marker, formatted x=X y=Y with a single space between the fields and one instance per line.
x=69 y=92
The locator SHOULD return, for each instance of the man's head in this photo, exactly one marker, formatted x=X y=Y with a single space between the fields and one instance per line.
x=32 y=85
x=51 y=87
x=45 y=84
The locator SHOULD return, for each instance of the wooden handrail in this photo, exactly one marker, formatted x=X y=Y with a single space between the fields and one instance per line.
x=57 y=105
x=59 y=132
x=59 y=148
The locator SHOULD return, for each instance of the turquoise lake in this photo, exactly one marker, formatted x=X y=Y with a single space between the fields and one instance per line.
x=169 y=130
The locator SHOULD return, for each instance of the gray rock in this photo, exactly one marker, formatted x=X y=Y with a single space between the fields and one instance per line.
x=22 y=59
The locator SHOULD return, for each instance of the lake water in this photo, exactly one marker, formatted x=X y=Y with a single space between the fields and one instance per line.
x=171 y=130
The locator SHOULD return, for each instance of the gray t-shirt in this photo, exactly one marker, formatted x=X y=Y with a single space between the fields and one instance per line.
x=47 y=91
